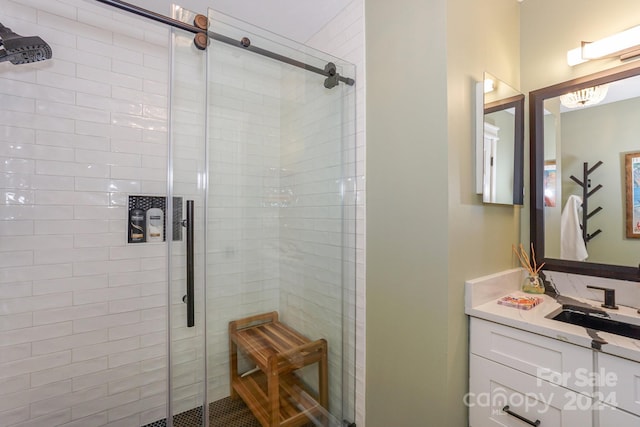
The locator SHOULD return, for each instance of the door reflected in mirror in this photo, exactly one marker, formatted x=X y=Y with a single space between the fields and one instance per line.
x=500 y=144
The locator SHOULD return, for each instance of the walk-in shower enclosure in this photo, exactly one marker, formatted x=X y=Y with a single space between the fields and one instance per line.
x=129 y=114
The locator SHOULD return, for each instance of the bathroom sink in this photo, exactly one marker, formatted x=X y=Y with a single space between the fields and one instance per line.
x=597 y=320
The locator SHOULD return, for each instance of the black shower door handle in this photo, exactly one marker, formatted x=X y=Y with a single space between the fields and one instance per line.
x=190 y=297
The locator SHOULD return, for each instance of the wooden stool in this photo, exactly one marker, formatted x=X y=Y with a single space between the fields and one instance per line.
x=274 y=393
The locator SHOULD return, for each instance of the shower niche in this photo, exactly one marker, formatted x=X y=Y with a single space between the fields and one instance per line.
x=147 y=219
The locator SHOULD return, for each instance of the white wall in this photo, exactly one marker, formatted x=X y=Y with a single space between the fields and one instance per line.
x=83 y=314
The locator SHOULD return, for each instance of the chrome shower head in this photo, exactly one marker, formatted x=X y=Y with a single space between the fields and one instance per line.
x=22 y=50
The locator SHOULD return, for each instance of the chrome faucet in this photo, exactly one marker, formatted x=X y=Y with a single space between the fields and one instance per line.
x=609 y=297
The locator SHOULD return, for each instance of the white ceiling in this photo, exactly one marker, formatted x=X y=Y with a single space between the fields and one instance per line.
x=623 y=89
x=294 y=19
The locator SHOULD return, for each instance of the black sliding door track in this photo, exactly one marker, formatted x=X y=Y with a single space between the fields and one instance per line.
x=145 y=13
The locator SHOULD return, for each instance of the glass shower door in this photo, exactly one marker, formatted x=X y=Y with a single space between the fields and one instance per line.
x=280 y=215
x=267 y=155
x=187 y=191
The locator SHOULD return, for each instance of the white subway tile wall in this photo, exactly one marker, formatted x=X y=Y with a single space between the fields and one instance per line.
x=242 y=230
x=82 y=313
x=276 y=215
x=317 y=135
x=343 y=37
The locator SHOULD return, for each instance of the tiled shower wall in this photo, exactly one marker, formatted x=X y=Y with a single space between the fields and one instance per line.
x=262 y=243
x=275 y=208
x=82 y=313
x=243 y=207
x=317 y=232
x=343 y=37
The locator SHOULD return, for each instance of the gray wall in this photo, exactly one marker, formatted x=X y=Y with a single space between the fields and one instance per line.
x=427 y=230
x=407 y=199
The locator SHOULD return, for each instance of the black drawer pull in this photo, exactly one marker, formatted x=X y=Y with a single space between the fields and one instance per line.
x=520 y=417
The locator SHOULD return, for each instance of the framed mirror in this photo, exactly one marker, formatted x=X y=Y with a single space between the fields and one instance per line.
x=499 y=143
x=583 y=132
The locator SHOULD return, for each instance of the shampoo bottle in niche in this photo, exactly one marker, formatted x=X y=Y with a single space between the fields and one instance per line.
x=155 y=223
x=136 y=224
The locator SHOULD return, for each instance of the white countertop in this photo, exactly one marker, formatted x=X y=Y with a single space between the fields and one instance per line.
x=482 y=294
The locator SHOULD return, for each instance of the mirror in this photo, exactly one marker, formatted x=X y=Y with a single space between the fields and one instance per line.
x=579 y=191
x=499 y=143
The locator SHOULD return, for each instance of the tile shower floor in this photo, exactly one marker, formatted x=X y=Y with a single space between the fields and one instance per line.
x=225 y=412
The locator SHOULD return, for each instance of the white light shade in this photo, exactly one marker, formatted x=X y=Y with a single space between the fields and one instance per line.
x=489 y=85
x=604 y=47
x=584 y=97
x=574 y=57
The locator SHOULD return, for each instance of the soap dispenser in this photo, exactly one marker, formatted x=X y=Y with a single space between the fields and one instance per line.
x=155 y=223
x=136 y=224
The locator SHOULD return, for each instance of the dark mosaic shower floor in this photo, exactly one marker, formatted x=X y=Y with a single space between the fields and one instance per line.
x=226 y=412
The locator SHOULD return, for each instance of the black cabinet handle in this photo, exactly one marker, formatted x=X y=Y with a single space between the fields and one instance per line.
x=189 y=298
x=520 y=417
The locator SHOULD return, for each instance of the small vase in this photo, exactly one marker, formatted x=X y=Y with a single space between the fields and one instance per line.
x=533 y=285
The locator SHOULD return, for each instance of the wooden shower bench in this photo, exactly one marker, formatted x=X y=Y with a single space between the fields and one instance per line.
x=273 y=392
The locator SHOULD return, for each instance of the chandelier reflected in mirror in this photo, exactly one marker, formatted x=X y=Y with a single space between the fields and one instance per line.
x=584 y=97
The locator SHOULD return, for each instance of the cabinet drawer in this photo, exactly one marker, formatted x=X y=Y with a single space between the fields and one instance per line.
x=493 y=387
x=561 y=363
x=620 y=381
x=610 y=416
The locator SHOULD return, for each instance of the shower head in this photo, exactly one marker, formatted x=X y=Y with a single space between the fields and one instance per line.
x=22 y=50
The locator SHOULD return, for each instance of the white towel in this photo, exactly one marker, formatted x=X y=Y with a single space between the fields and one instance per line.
x=572 y=246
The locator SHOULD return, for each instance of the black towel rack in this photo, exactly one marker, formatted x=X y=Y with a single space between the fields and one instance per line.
x=585 y=183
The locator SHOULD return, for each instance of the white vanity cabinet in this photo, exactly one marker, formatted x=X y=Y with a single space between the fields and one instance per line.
x=543 y=381
x=551 y=360
x=620 y=383
x=502 y=396
x=519 y=378
x=610 y=416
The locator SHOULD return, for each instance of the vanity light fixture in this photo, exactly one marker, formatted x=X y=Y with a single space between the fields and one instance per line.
x=625 y=44
x=584 y=97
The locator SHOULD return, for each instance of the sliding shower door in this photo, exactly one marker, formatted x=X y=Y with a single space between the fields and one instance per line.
x=187 y=191
x=279 y=195
x=265 y=154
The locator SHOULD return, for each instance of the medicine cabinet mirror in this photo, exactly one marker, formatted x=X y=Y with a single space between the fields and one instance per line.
x=499 y=142
x=585 y=145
